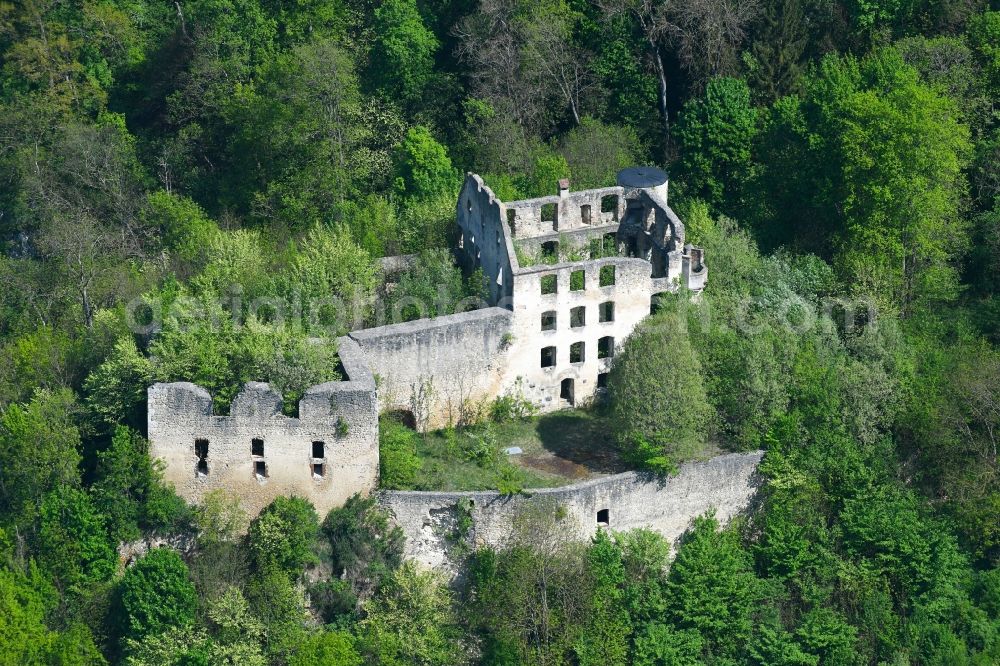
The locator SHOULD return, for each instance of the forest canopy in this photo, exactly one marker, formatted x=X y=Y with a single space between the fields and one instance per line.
x=177 y=177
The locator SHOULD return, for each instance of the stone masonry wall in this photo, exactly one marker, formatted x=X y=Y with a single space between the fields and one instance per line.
x=630 y=299
x=725 y=484
x=433 y=367
x=342 y=415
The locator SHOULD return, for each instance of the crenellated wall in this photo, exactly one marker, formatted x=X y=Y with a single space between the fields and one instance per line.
x=550 y=333
x=203 y=451
x=725 y=484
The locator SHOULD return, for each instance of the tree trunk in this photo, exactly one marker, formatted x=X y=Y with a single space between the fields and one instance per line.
x=88 y=313
x=661 y=75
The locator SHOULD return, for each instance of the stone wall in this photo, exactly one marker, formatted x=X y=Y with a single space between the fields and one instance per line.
x=725 y=484
x=484 y=239
x=629 y=299
x=204 y=452
x=434 y=367
x=567 y=211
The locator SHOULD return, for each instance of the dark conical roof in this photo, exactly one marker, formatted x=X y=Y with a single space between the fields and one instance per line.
x=642 y=176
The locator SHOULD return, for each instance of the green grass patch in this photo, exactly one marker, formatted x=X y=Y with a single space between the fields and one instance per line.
x=558 y=449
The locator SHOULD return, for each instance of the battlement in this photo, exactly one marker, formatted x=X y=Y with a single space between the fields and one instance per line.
x=326 y=454
x=550 y=333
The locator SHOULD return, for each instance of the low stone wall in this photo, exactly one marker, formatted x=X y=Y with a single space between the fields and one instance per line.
x=433 y=367
x=725 y=484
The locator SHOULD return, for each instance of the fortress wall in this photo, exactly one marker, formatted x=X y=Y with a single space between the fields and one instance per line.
x=343 y=415
x=725 y=484
x=432 y=367
x=484 y=237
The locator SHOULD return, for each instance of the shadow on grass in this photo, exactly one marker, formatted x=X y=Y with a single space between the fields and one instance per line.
x=581 y=438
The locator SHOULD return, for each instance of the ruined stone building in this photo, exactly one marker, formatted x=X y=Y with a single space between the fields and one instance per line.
x=569 y=278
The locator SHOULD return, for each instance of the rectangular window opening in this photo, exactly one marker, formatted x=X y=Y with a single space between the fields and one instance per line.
x=260 y=469
x=602 y=380
x=577 y=280
x=585 y=214
x=549 y=320
x=201 y=450
x=548 y=357
x=256 y=447
x=604 y=517
x=549 y=212
x=550 y=284
x=318 y=449
x=577 y=353
x=607 y=276
x=610 y=245
x=578 y=317
x=318 y=470
x=606 y=311
x=550 y=252
x=606 y=347
x=609 y=204
x=511 y=218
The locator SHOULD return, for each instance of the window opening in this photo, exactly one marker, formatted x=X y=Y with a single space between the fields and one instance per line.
x=548 y=357
x=566 y=390
x=606 y=311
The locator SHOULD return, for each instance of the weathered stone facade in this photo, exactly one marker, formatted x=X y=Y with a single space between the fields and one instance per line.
x=724 y=484
x=327 y=454
x=563 y=321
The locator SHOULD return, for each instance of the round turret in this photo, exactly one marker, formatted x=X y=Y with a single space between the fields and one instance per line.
x=644 y=178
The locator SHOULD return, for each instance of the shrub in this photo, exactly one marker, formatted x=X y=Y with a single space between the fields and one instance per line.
x=398 y=461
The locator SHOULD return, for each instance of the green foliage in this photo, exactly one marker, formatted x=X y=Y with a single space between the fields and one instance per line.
x=327 y=648
x=156 y=595
x=715 y=135
x=422 y=166
x=268 y=151
x=595 y=152
x=24 y=637
x=219 y=517
x=432 y=287
x=658 y=401
x=200 y=342
x=512 y=406
x=403 y=53
x=330 y=264
x=547 y=169
x=73 y=541
x=186 y=229
x=606 y=638
x=365 y=545
x=870 y=134
x=398 y=461
x=117 y=388
x=40 y=449
x=712 y=589
x=410 y=620
x=530 y=598
x=279 y=605
x=281 y=537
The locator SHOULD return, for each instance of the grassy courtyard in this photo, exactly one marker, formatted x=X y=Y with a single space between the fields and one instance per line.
x=557 y=449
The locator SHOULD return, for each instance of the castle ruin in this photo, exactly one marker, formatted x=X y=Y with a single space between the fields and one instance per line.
x=569 y=278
